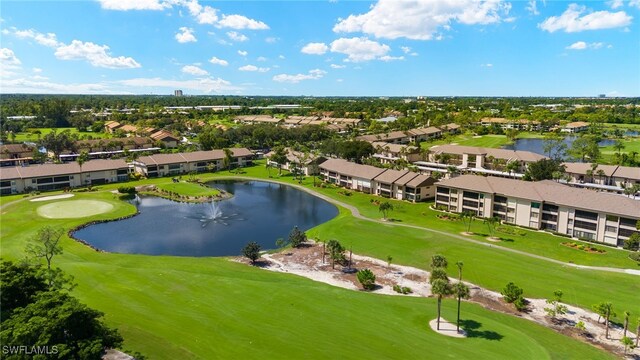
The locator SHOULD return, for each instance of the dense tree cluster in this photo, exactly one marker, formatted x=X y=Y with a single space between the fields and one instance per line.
x=35 y=314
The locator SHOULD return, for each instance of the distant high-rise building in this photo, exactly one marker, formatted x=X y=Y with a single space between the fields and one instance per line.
x=602 y=95
x=177 y=93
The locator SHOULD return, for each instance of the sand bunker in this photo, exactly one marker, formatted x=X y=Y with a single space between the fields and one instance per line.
x=74 y=209
x=53 y=197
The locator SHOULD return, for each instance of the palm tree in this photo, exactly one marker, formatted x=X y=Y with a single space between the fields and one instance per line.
x=626 y=323
x=512 y=167
x=440 y=288
x=461 y=291
x=81 y=159
x=228 y=158
x=384 y=208
x=608 y=310
x=600 y=174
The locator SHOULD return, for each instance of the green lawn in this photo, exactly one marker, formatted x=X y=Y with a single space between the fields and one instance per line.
x=174 y=307
x=30 y=135
x=468 y=139
x=189 y=308
x=189 y=189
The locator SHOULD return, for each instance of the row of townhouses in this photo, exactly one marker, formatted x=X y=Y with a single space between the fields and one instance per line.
x=413 y=135
x=18 y=179
x=548 y=205
x=396 y=184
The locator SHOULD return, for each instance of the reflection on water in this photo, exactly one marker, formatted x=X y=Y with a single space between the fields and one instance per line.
x=258 y=211
x=537 y=145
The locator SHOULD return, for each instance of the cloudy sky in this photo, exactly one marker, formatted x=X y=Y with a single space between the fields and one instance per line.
x=322 y=48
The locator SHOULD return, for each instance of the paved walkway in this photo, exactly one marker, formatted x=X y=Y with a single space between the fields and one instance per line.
x=356 y=214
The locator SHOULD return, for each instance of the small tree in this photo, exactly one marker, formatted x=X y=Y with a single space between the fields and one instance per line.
x=335 y=251
x=608 y=307
x=389 y=259
x=47 y=245
x=251 y=251
x=297 y=237
x=600 y=309
x=633 y=242
x=626 y=323
x=557 y=308
x=81 y=159
x=227 y=159
x=491 y=224
x=281 y=243
x=439 y=261
x=511 y=292
x=627 y=342
x=467 y=218
x=384 y=208
x=367 y=279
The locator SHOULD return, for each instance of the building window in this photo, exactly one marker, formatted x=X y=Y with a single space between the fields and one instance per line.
x=535 y=205
x=442 y=190
x=471 y=195
x=612 y=218
x=548 y=207
x=584 y=235
x=500 y=199
x=586 y=215
x=585 y=225
x=609 y=228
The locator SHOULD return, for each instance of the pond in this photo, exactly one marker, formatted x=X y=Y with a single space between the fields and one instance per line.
x=537 y=145
x=259 y=211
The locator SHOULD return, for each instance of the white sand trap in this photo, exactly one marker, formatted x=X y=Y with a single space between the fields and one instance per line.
x=446 y=328
x=74 y=209
x=53 y=197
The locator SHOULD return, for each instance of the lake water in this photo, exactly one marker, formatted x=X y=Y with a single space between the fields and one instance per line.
x=537 y=145
x=259 y=211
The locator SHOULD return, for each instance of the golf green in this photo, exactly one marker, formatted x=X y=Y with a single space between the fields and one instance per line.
x=74 y=209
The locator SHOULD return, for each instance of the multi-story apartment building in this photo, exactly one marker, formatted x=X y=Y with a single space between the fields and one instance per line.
x=548 y=205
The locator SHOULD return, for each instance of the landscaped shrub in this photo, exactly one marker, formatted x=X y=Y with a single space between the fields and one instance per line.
x=633 y=242
x=127 y=190
x=402 y=289
x=367 y=279
x=635 y=257
x=520 y=303
x=511 y=292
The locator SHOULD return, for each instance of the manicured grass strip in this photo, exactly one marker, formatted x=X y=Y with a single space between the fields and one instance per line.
x=168 y=307
x=31 y=134
x=189 y=189
x=483 y=265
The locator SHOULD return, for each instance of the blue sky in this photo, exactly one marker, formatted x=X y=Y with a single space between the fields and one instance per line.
x=322 y=48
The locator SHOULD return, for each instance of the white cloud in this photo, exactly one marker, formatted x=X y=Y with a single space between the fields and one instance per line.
x=405 y=49
x=315 y=48
x=572 y=20
x=240 y=22
x=236 y=36
x=8 y=58
x=359 y=49
x=38 y=87
x=36 y=70
x=336 y=66
x=339 y=80
x=581 y=45
x=281 y=57
x=194 y=70
x=422 y=19
x=185 y=35
x=271 y=40
x=635 y=3
x=614 y=4
x=388 y=58
x=48 y=39
x=242 y=53
x=96 y=55
x=206 y=85
x=489 y=65
x=125 y=5
x=261 y=58
x=207 y=16
x=215 y=61
x=532 y=7
x=312 y=75
x=253 y=68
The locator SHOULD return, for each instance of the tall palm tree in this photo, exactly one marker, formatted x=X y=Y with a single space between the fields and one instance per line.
x=81 y=159
x=461 y=291
x=440 y=288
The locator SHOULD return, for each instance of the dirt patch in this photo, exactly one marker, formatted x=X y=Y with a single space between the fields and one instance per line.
x=52 y=197
x=494 y=239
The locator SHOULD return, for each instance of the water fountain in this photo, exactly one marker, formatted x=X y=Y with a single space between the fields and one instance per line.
x=213 y=214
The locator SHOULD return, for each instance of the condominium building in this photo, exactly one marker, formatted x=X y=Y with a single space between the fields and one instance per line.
x=184 y=163
x=548 y=205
